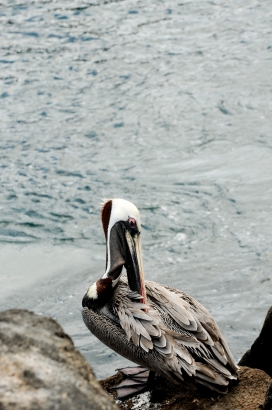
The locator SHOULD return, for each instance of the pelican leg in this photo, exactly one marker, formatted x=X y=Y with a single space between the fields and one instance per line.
x=136 y=380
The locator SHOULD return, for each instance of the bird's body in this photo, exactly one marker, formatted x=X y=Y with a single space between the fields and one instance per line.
x=153 y=325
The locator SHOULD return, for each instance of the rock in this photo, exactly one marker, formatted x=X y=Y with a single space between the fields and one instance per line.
x=247 y=394
x=260 y=354
x=40 y=368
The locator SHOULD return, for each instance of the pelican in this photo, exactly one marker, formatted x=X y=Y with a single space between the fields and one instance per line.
x=162 y=329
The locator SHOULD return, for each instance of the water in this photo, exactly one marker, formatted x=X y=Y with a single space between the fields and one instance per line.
x=164 y=104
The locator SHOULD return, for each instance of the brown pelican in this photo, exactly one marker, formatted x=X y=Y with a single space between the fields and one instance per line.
x=160 y=328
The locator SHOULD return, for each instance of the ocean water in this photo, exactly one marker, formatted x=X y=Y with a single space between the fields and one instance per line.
x=165 y=104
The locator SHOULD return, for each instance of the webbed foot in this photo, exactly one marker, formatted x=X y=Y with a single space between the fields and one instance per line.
x=137 y=380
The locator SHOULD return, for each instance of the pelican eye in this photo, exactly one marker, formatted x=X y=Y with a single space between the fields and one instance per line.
x=132 y=227
x=132 y=222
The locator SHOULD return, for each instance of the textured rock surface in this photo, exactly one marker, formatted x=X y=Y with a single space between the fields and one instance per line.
x=260 y=354
x=248 y=394
x=40 y=368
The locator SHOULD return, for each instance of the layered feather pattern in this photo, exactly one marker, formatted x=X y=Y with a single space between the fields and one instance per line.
x=179 y=330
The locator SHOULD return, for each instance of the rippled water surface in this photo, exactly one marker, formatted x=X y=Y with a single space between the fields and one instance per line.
x=163 y=103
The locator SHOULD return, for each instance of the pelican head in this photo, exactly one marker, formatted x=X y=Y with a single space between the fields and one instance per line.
x=122 y=227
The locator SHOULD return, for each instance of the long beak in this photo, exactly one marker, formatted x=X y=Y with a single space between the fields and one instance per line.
x=123 y=249
x=135 y=270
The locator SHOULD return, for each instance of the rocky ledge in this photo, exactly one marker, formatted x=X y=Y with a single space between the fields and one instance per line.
x=248 y=394
x=41 y=369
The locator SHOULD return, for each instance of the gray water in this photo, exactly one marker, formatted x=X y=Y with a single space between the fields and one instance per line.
x=162 y=103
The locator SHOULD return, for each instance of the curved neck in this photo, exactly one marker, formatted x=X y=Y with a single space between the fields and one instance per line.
x=99 y=293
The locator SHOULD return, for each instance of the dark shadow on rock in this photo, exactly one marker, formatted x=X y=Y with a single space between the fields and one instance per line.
x=260 y=354
x=40 y=368
x=268 y=399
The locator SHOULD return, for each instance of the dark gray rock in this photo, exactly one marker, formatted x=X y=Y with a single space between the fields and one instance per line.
x=40 y=368
x=260 y=354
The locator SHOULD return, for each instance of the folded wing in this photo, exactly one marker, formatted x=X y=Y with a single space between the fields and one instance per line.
x=181 y=330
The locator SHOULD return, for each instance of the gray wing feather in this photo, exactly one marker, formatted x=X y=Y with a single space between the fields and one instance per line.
x=179 y=329
x=206 y=331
